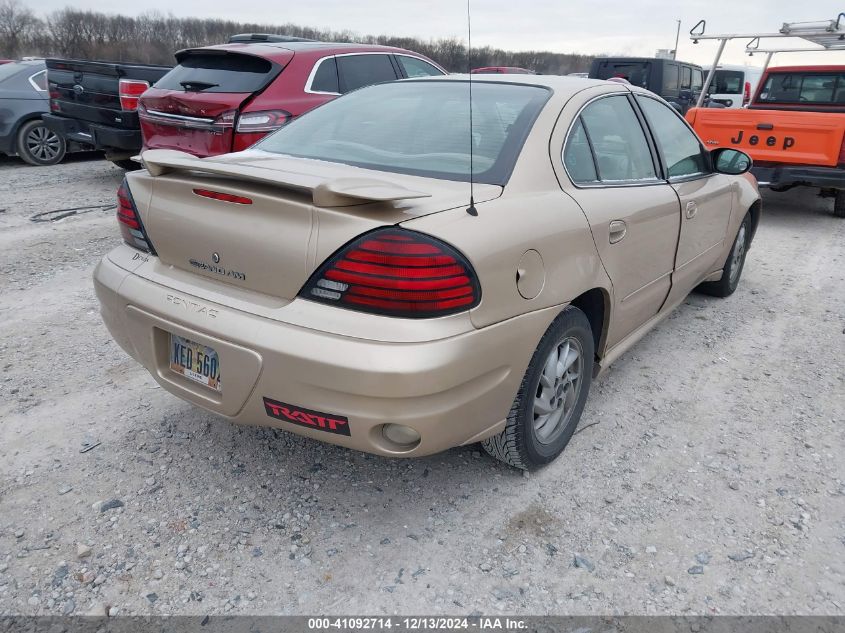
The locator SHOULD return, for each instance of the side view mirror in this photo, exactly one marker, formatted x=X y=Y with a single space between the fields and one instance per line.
x=733 y=162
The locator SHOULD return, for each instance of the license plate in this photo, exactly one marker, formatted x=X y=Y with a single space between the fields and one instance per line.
x=195 y=361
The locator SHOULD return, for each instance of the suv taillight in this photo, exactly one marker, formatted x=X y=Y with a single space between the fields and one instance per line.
x=746 y=93
x=264 y=121
x=129 y=90
x=131 y=226
x=396 y=272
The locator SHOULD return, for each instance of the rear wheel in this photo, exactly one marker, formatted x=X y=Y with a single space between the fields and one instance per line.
x=39 y=145
x=839 y=204
x=552 y=395
x=732 y=270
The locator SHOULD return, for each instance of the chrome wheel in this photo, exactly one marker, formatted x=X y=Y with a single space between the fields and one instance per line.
x=737 y=255
x=43 y=144
x=558 y=390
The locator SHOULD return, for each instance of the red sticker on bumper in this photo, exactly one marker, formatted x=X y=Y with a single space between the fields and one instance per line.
x=327 y=422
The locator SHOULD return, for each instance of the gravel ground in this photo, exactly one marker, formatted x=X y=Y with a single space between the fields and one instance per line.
x=708 y=476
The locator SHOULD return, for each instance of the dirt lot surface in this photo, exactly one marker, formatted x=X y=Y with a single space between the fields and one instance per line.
x=708 y=476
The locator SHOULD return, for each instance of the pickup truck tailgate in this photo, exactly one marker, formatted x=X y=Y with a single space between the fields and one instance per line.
x=778 y=136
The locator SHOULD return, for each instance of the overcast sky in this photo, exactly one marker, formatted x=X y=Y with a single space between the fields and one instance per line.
x=629 y=27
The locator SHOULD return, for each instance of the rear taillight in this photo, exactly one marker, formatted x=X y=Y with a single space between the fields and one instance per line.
x=264 y=121
x=131 y=226
x=129 y=91
x=746 y=93
x=54 y=97
x=396 y=272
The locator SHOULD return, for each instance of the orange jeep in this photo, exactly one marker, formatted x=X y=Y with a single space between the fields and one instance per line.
x=794 y=129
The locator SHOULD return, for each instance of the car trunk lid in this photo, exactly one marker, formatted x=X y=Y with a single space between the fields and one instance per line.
x=195 y=107
x=264 y=222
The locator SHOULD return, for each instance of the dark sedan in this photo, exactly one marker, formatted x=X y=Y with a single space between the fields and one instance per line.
x=23 y=99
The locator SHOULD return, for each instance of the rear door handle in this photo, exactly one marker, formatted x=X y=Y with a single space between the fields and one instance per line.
x=692 y=209
x=618 y=229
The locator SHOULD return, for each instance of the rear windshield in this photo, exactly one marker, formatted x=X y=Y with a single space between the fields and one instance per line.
x=212 y=72
x=419 y=128
x=10 y=70
x=804 y=88
x=635 y=72
x=727 y=82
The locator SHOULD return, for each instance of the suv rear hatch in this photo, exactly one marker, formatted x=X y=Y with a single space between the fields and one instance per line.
x=196 y=107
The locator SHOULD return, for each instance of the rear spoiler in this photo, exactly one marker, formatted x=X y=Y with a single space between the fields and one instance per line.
x=336 y=192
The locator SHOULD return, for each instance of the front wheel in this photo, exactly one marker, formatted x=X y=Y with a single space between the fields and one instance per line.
x=548 y=406
x=732 y=270
x=39 y=145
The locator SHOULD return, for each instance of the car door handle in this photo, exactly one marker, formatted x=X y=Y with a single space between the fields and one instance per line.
x=618 y=229
x=692 y=209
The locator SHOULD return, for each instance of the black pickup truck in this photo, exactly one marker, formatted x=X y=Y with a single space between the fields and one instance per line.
x=95 y=104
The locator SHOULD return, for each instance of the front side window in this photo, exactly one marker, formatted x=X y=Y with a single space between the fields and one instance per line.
x=670 y=79
x=414 y=67
x=697 y=79
x=679 y=145
x=686 y=77
x=618 y=142
x=357 y=71
x=419 y=128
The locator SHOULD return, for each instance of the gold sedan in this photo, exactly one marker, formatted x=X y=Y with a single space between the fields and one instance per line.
x=384 y=275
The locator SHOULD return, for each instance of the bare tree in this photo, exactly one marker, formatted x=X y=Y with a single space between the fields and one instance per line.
x=17 y=24
x=153 y=37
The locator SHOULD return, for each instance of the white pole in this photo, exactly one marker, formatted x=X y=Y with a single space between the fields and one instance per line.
x=712 y=72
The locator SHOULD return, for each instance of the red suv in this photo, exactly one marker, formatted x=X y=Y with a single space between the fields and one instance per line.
x=222 y=99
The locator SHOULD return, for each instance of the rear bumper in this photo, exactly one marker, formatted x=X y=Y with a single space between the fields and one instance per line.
x=452 y=391
x=811 y=176
x=97 y=136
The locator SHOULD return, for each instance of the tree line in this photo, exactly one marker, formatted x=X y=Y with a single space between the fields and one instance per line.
x=152 y=38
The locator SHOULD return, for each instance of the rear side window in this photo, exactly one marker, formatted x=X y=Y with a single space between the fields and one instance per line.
x=681 y=150
x=728 y=82
x=578 y=157
x=414 y=67
x=325 y=79
x=212 y=72
x=618 y=142
x=635 y=72
x=357 y=71
x=39 y=80
x=806 y=89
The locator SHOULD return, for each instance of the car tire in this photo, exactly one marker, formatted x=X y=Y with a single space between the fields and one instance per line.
x=839 y=203
x=531 y=437
x=732 y=270
x=127 y=164
x=38 y=145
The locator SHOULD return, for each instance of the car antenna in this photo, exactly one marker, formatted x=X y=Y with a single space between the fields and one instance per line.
x=471 y=208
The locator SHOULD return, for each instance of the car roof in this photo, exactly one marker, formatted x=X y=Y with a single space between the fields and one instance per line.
x=272 y=50
x=645 y=59
x=559 y=83
x=806 y=69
